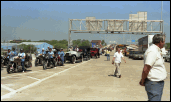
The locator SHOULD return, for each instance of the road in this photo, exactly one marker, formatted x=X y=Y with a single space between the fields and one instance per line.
x=91 y=80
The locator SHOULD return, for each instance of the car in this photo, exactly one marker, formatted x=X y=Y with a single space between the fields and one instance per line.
x=130 y=54
x=72 y=56
x=167 y=57
x=94 y=52
x=138 y=55
x=85 y=51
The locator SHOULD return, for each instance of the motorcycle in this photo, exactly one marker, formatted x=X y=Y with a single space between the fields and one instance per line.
x=59 y=61
x=49 y=63
x=39 y=59
x=14 y=64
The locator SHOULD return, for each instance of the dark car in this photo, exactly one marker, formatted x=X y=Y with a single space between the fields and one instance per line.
x=85 y=51
x=131 y=54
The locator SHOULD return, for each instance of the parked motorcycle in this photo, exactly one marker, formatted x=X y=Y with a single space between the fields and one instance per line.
x=40 y=58
x=49 y=62
x=14 y=64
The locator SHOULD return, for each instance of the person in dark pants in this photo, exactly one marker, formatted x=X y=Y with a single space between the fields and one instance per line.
x=22 y=57
x=154 y=72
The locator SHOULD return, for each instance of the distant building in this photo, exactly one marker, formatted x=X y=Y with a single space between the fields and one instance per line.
x=96 y=42
x=17 y=41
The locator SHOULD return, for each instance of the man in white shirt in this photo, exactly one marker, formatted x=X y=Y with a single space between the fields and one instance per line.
x=154 y=72
x=117 y=58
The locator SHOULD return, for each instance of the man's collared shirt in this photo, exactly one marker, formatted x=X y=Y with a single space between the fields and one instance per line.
x=9 y=54
x=61 y=54
x=153 y=57
x=50 y=54
x=22 y=55
x=118 y=57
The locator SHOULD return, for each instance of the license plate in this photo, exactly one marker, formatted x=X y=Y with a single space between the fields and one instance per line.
x=139 y=57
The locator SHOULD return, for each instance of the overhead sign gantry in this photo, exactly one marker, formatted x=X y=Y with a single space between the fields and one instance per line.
x=114 y=26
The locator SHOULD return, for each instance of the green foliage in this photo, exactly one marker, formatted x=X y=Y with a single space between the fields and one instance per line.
x=77 y=42
x=167 y=45
x=28 y=48
x=80 y=42
x=103 y=42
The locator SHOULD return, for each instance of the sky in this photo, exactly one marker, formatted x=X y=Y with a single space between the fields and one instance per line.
x=38 y=20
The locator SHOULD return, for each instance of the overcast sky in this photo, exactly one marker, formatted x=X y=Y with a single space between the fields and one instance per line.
x=38 y=20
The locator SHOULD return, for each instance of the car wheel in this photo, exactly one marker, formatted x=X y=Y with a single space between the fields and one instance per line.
x=73 y=59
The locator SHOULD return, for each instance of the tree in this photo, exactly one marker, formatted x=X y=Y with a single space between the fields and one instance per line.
x=167 y=45
x=28 y=48
x=85 y=43
x=103 y=42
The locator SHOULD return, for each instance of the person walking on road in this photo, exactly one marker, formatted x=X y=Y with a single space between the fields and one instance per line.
x=108 y=54
x=154 y=72
x=117 y=58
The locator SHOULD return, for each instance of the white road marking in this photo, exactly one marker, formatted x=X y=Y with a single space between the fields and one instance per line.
x=20 y=74
x=37 y=82
x=33 y=78
x=7 y=88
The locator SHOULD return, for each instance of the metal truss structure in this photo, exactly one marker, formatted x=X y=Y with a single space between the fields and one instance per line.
x=114 y=26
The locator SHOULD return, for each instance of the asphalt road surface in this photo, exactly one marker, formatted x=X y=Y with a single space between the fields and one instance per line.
x=90 y=80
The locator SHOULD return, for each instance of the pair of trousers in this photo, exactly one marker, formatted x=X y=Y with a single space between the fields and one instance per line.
x=154 y=90
x=117 y=70
x=108 y=56
x=22 y=64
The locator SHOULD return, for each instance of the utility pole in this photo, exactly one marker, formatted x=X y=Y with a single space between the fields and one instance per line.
x=130 y=34
x=161 y=15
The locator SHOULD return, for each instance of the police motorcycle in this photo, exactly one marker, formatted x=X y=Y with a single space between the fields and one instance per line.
x=14 y=64
x=40 y=58
x=48 y=62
